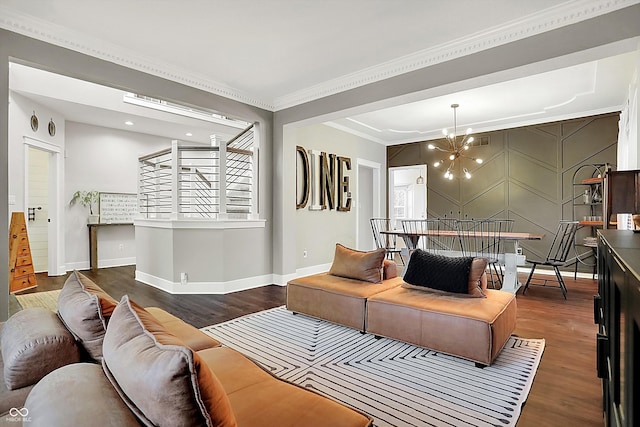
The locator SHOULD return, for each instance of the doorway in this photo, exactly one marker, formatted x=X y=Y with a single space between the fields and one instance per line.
x=407 y=193
x=42 y=206
x=367 y=202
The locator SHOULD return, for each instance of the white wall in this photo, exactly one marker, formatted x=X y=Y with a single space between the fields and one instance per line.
x=102 y=159
x=317 y=232
x=20 y=111
x=19 y=132
x=628 y=138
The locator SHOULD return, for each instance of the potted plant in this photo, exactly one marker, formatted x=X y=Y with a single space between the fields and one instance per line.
x=87 y=199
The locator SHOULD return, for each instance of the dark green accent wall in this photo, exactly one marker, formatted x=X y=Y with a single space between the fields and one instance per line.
x=526 y=175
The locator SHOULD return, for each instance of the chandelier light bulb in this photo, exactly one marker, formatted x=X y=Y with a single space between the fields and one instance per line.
x=451 y=157
x=447 y=173
x=452 y=135
x=445 y=132
x=466 y=147
x=469 y=131
x=470 y=140
x=450 y=176
x=436 y=164
x=479 y=161
x=431 y=147
x=467 y=174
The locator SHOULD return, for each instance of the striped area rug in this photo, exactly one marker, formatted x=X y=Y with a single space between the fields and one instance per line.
x=398 y=384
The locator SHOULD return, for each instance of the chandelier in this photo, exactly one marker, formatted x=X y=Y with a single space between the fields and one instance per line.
x=456 y=147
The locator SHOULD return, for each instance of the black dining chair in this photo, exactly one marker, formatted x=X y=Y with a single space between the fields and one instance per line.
x=416 y=237
x=482 y=238
x=557 y=257
x=385 y=241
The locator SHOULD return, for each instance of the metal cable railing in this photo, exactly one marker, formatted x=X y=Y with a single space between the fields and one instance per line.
x=195 y=191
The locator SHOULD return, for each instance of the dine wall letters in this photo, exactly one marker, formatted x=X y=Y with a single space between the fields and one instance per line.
x=322 y=177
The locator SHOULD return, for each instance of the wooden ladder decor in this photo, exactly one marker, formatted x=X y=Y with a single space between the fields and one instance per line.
x=21 y=274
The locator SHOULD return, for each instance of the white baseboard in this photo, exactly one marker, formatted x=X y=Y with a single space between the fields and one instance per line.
x=282 y=279
x=227 y=286
x=102 y=263
x=540 y=270
x=204 y=287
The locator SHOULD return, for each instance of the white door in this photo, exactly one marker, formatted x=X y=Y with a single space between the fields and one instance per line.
x=37 y=208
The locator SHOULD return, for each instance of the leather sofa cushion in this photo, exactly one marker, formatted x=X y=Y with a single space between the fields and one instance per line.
x=259 y=399
x=193 y=337
x=35 y=342
x=85 y=310
x=163 y=381
x=352 y=264
x=77 y=395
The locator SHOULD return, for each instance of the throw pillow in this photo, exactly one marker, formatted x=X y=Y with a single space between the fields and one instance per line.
x=439 y=272
x=85 y=309
x=358 y=265
x=35 y=342
x=163 y=382
x=478 y=278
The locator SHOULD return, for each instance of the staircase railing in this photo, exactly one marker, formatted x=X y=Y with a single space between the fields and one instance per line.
x=195 y=190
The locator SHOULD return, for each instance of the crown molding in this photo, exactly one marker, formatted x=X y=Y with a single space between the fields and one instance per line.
x=549 y=19
x=564 y=14
x=49 y=32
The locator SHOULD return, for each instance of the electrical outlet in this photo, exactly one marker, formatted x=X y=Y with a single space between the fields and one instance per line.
x=184 y=277
x=304 y=253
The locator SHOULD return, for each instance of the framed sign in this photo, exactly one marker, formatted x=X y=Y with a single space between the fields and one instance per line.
x=118 y=208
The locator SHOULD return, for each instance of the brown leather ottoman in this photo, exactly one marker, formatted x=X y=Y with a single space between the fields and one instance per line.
x=472 y=328
x=333 y=298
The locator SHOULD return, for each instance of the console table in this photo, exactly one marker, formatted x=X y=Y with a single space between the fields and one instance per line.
x=93 y=243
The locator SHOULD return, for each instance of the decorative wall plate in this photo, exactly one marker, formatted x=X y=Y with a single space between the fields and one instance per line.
x=52 y=128
x=34 y=122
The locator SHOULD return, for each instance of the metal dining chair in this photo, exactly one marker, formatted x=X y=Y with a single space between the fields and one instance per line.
x=415 y=235
x=557 y=257
x=385 y=241
x=482 y=238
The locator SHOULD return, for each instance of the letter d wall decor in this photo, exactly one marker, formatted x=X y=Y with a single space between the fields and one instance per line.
x=321 y=177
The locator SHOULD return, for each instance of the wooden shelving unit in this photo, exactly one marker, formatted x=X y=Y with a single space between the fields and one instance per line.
x=21 y=274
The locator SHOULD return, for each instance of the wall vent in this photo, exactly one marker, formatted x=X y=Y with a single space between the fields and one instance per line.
x=480 y=141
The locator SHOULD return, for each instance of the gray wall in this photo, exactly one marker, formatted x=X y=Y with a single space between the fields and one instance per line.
x=526 y=175
x=319 y=231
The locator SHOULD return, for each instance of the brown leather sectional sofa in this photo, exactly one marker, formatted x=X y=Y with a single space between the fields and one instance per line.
x=150 y=368
x=472 y=328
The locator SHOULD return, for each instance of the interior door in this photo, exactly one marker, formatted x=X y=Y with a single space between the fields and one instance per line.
x=37 y=208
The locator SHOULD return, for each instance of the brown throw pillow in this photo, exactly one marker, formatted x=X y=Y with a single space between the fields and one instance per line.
x=35 y=342
x=163 y=382
x=85 y=309
x=478 y=278
x=358 y=265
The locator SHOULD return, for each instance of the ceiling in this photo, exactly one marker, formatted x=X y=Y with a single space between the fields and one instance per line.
x=280 y=53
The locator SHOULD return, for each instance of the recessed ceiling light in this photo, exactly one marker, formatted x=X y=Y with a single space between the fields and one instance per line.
x=128 y=123
x=189 y=134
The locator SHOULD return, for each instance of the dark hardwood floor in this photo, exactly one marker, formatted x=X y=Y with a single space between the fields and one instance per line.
x=566 y=391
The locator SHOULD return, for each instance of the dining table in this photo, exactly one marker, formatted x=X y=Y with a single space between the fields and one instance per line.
x=509 y=260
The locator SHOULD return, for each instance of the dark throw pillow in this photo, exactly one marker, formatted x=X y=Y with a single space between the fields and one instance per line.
x=358 y=265
x=439 y=272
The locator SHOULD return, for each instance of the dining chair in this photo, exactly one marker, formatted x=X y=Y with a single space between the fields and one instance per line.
x=416 y=237
x=557 y=257
x=482 y=238
x=385 y=241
